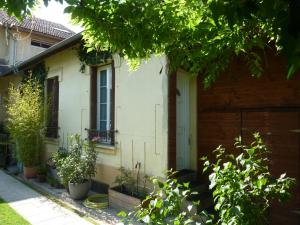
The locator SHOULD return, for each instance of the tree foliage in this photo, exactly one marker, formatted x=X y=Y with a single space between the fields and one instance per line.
x=199 y=36
x=21 y=8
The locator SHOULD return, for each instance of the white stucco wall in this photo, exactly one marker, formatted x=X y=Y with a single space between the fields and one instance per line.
x=141 y=116
x=141 y=100
x=74 y=94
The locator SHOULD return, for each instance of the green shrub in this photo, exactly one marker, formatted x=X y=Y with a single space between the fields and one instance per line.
x=243 y=187
x=166 y=205
x=26 y=120
x=78 y=165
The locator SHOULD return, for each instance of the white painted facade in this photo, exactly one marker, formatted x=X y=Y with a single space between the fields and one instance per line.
x=141 y=112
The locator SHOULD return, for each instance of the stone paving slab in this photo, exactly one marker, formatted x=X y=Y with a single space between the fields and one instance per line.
x=34 y=207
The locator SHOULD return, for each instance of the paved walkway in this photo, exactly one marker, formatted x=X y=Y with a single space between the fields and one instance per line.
x=34 y=207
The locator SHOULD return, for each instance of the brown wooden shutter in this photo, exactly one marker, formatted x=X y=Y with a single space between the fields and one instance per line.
x=53 y=96
x=93 y=119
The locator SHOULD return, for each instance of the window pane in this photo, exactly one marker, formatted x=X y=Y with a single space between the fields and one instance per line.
x=103 y=95
x=103 y=112
x=103 y=78
x=102 y=125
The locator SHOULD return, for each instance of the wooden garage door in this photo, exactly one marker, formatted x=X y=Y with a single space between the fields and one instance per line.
x=280 y=131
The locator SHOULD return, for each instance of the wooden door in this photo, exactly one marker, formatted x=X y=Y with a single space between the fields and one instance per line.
x=182 y=123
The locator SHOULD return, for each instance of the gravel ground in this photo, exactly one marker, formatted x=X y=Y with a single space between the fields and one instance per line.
x=100 y=216
x=103 y=216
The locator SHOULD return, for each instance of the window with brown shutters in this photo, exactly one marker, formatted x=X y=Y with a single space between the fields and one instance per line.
x=102 y=105
x=53 y=99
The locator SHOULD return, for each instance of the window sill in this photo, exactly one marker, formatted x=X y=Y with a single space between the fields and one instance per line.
x=48 y=140
x=106 y=149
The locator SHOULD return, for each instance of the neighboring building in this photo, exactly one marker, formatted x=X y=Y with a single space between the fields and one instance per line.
x=22 y=40
x=169 y=121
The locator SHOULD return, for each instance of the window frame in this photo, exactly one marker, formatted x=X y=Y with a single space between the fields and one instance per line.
x=40 y=44
x=108 y=69
x=102 y=138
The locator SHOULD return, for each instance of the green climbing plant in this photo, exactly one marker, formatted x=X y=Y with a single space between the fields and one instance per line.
x=92 y=57
x=38 y=72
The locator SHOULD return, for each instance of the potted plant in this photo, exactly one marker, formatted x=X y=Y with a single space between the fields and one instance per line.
x=41 y=174
x=54 y=162
x=127 y=194
x=25 y=122
x=78 y=167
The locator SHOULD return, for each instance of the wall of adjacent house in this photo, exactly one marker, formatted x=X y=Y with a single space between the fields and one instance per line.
x=140 y=113
x=4 y=52
x=5 y=82
x=24 y=50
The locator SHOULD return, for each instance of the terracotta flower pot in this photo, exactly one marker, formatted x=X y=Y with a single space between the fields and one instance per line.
x=29 y=172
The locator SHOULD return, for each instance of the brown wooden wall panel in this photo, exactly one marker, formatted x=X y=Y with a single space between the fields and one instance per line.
x=216 y=128
x=238 y=104
x=279 y=130
x=236 y=89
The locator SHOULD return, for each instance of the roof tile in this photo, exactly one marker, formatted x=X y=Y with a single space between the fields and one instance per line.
x=37 y=25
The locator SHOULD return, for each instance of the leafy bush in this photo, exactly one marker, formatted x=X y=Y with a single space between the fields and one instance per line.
x=78 y=165
x=166 y=205
x=243 y=186
x=25 y=123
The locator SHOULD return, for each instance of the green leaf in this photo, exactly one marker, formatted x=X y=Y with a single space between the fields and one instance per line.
x=122 y=214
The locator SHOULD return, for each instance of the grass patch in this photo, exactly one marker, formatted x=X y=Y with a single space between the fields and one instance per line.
x=9 y=216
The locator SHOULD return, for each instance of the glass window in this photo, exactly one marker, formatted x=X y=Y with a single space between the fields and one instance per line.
x=104 y=100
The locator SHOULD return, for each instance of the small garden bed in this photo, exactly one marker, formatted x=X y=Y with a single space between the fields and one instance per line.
x=128 y=194
x=9 y=216
x=121 y=199
x=125 y=191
